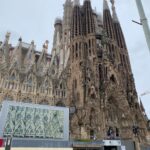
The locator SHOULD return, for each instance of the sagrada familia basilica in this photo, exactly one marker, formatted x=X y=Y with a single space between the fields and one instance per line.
x=88 y=71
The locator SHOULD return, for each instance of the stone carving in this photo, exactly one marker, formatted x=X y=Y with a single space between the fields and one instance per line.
x=93 y=92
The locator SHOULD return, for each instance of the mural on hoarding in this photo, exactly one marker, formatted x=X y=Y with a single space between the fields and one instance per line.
x=34 y=122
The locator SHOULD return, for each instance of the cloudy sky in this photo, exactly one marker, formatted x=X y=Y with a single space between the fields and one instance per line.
x=33 y=20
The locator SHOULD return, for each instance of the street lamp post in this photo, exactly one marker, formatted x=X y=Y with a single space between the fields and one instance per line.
x=144 y=21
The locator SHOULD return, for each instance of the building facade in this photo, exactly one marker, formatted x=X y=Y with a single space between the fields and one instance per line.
x=88 y=71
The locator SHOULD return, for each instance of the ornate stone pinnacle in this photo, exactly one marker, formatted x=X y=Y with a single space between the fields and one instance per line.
x=32 y=42
x=113 y=5
x=20 y=39
x=1 y=43
x=105 y=5
x=7 y=35
x=45 y=45
x=67 y=1
x=113 y=2
x=76 y=2
x=47 y=42
x=115 y=18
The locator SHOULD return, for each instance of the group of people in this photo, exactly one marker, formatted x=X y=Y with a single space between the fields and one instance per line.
x=112 y=134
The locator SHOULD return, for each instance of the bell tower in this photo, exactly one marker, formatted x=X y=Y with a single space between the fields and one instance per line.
x=83 y=85
x=68 y=6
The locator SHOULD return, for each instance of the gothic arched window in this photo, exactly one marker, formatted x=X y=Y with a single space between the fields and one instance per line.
x=113 y=79
x=44 y=102
x=46 y=84
x=100 y=72
x=92 y=134
x=85 y=50
x=60 y=104
x=61 y=86
x=30 y=82
x=12 y=77
x=75 y=84
x=89 y=43
x=80 y=50
x=72 y=52
x=76 y=50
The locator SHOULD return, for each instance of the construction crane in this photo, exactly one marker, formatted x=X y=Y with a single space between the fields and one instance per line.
x=144 y=21
x=145 y=93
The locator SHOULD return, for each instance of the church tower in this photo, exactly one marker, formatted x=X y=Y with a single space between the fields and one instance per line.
x=5 y=53
x=68 y=6
x=83 y=86
x=101 y=87
x=76 y=54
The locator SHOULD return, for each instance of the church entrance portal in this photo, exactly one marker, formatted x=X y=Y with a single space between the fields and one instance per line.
x=110 y=148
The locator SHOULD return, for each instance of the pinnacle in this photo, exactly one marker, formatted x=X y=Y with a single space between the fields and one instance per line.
x=115 y=17
x=68 y=2
x=32 y=42
x=76 y=2
x=7 y=35
x=20 y=39
x=105 y=5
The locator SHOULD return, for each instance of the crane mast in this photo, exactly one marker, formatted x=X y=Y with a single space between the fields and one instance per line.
x=144 y=21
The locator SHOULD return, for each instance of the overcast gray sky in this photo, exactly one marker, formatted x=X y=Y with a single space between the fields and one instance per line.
x=33 y=20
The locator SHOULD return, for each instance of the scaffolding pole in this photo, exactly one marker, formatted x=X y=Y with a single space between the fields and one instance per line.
x=144 y=21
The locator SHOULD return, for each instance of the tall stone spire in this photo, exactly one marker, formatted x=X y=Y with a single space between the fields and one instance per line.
x=105 y=5
x=115 y=17
x=88 y=24
x=58 y=28
x=67 y=15
x=76 y=28
x=119 y=36
x=66 y=24
x=107 y=20
x=76 y=2
x=7 y=37
x=6 y=47
x=117 y=28
x=42 y=58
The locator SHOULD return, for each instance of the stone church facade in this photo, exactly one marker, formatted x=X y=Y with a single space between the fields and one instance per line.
x=88 y=70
